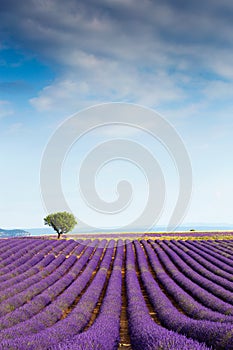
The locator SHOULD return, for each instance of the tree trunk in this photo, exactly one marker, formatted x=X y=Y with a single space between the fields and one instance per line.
x=59 y=235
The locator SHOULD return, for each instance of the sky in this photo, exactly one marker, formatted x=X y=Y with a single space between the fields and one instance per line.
x=60 y=57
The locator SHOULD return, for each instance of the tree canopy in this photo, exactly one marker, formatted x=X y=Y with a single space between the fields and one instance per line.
x=61 y=222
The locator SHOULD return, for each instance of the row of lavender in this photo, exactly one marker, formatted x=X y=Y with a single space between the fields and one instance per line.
x=178 y=235
x=43 y=307
x=41 y=329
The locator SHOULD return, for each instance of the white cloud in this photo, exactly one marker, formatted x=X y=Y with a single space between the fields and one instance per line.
x=134 y=32
x=69 y=95
x=139 y=51
x=219 y=91
x=61 y=95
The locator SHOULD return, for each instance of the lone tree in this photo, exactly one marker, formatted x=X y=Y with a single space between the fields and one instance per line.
x=62 y=222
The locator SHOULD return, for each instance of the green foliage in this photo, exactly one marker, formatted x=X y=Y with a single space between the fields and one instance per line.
x=61 y=222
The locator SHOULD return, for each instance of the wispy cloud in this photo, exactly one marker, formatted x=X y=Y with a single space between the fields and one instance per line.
x=138 y=51
x=5 y=109
x=15 y=128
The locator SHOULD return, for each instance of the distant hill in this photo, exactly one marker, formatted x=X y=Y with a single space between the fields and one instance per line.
x=13 y=233
x=41 y=231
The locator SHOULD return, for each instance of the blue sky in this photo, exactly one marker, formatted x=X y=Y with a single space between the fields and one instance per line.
x=58 y=57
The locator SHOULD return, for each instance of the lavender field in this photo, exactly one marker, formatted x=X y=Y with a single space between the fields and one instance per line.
x=116 y=294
